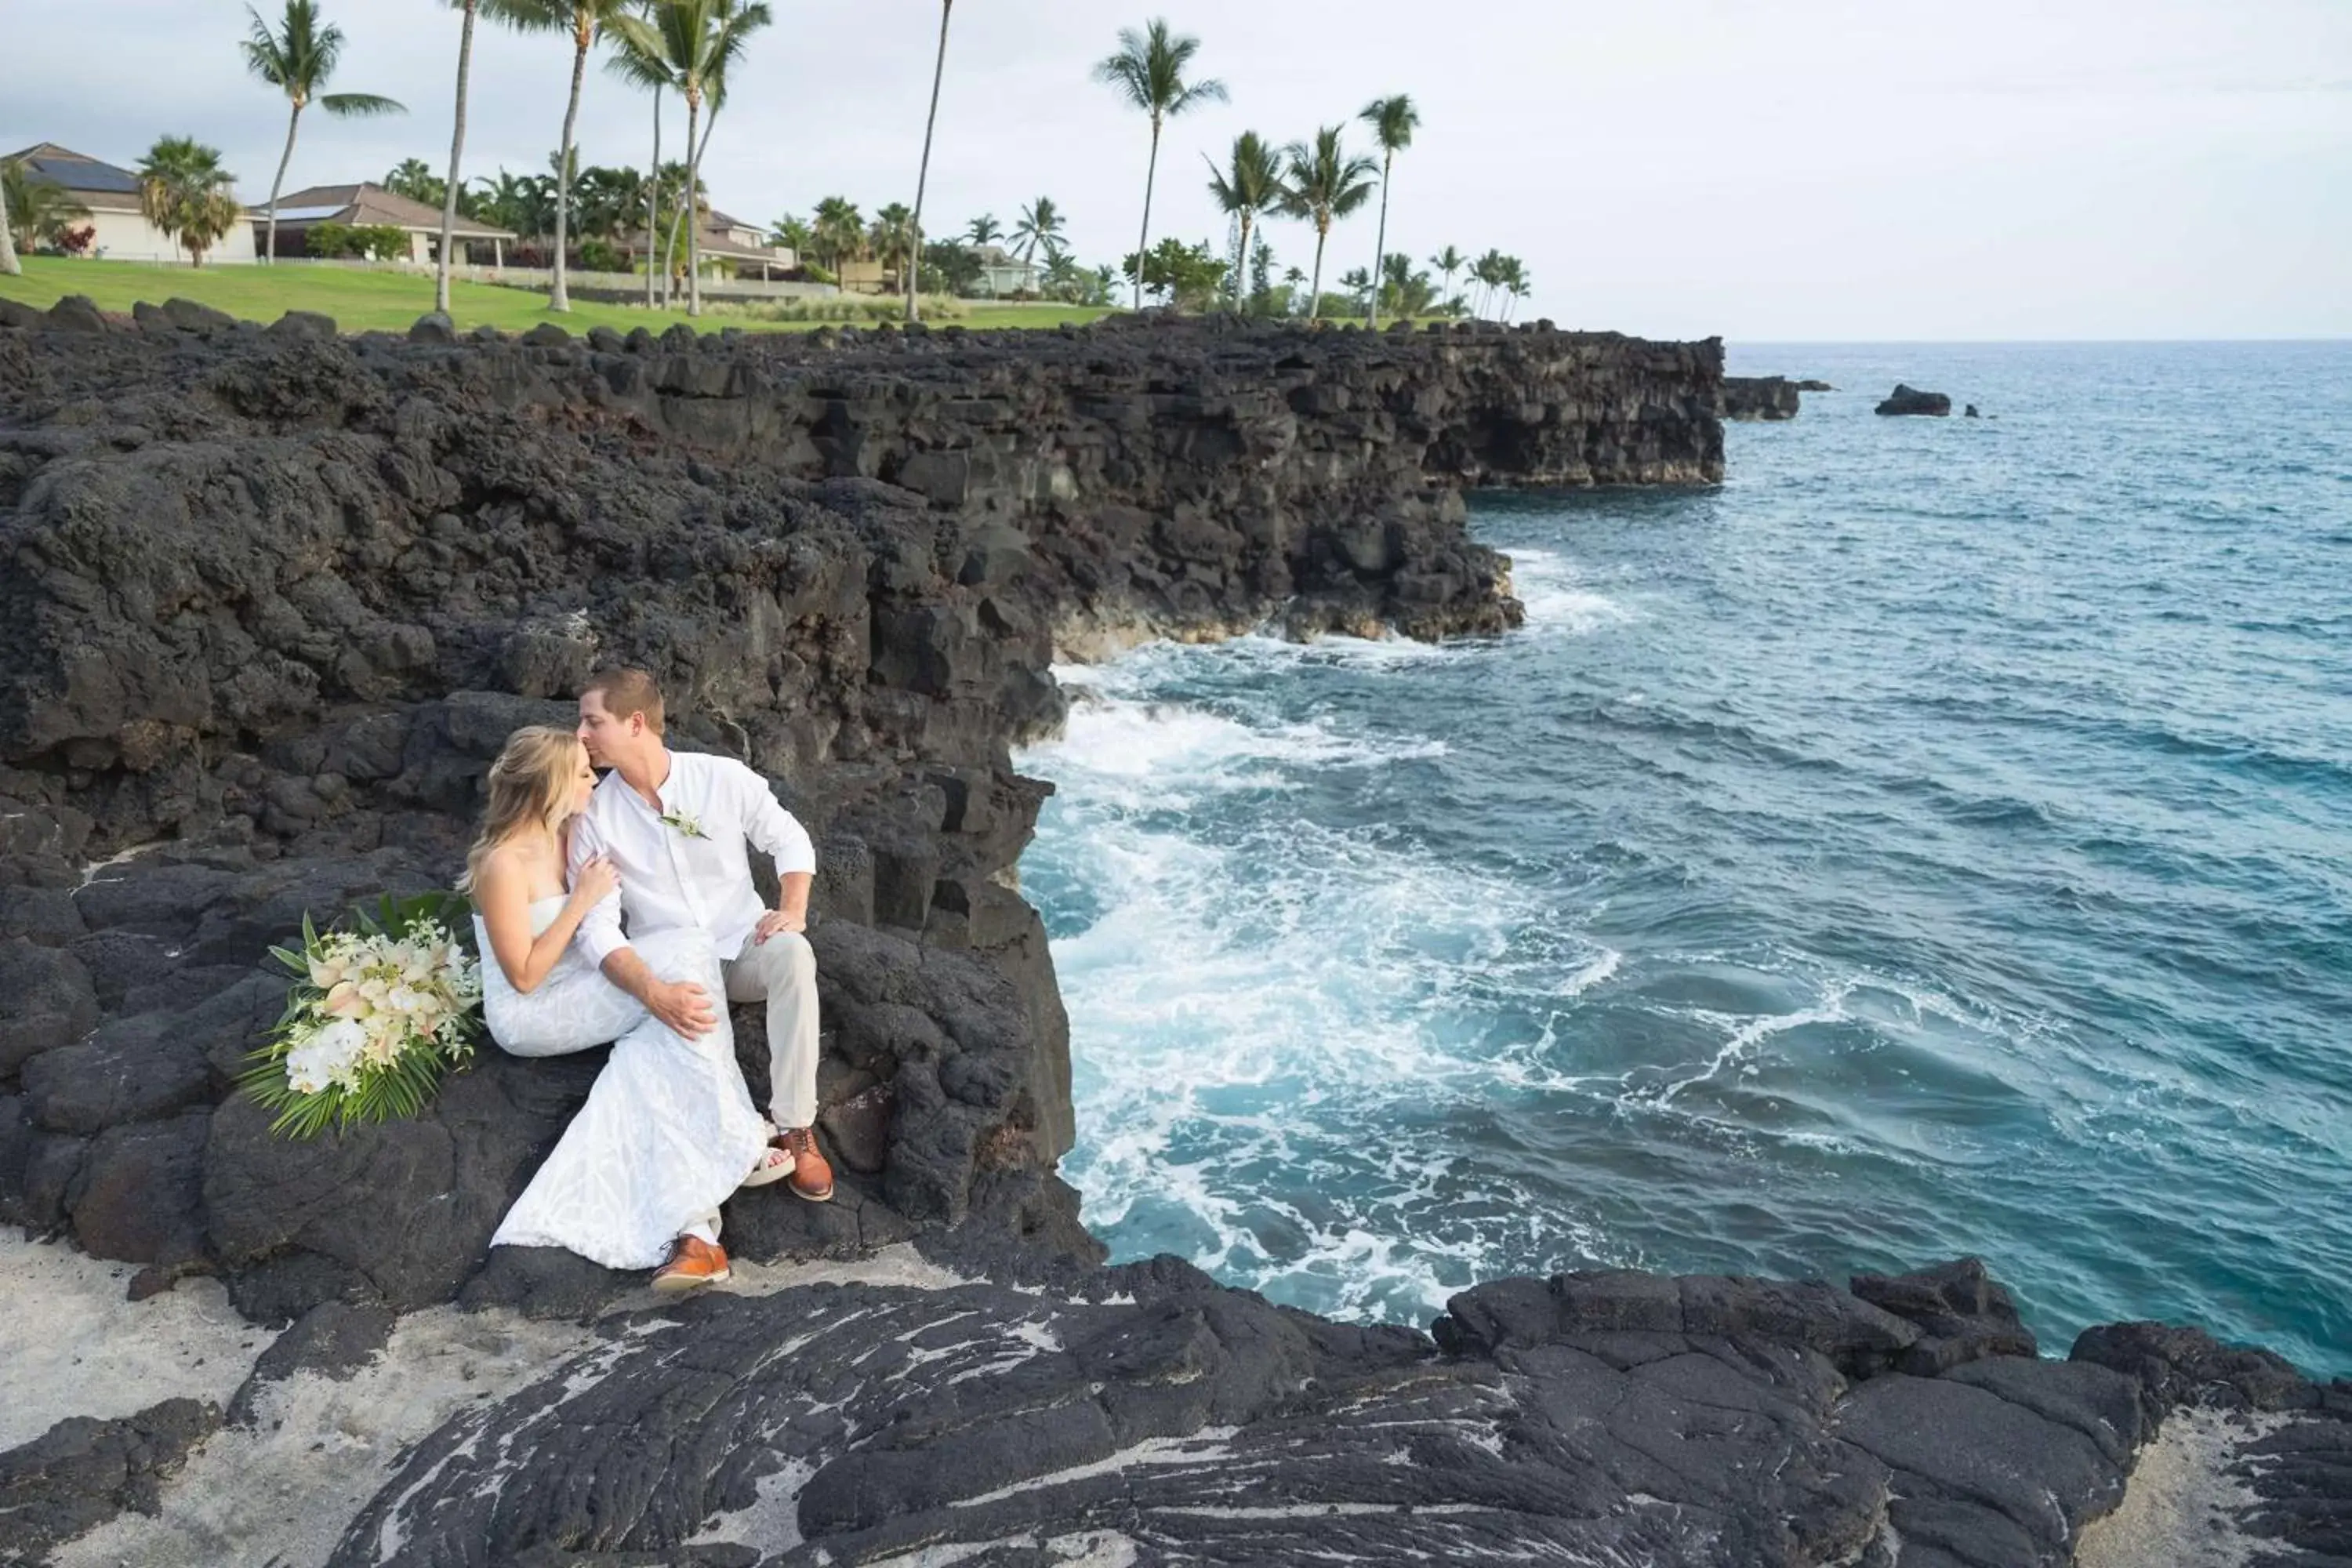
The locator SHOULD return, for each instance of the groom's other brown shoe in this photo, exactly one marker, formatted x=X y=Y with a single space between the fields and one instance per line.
x=692 y=1262
x=812 y=1177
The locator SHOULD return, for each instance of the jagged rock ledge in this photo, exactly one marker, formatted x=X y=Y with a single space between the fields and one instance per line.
x=1775 y=397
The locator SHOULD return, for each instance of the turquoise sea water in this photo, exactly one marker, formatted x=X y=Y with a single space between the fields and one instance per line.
x=1938 y=840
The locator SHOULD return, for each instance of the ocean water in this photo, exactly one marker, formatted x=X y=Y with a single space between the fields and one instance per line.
x=1938 y=840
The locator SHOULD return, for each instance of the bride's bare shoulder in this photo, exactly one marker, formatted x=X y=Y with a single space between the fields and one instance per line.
x=501 y=870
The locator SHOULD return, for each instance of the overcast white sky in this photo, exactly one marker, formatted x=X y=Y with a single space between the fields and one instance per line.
x=1800 y=169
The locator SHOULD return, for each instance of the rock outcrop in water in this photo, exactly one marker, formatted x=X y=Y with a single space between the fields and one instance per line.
x=1748 y=397
x=271 y=599
x=1911 y=400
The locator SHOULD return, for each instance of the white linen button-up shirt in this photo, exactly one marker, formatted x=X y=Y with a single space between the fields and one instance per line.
x=671 y=878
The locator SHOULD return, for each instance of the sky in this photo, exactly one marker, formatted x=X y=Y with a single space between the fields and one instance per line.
x=1800 y=171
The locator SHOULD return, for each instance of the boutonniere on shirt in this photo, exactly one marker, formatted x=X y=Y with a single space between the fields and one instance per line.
x=685 y=822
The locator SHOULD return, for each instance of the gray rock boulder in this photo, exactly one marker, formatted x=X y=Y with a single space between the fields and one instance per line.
x=1750 y=397
x=1910 y=400
x=47 y=1002
x=82 y=1472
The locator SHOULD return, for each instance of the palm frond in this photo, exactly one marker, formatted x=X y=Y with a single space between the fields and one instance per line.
x=360 y=105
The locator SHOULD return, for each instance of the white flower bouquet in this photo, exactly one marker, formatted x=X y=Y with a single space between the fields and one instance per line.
x=378 y=1015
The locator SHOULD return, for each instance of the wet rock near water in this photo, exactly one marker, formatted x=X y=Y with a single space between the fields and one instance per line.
x=1911 y=400
x=1750 y=397
x=1142 y=1414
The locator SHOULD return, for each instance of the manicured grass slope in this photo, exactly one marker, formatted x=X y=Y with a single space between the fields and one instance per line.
x=370 y=302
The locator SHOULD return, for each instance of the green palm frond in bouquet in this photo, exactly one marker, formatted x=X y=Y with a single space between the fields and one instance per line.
x=380 y=1013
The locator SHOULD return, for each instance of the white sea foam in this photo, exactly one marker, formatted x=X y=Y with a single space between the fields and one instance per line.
x=1556 y=597
x=1266 y=1007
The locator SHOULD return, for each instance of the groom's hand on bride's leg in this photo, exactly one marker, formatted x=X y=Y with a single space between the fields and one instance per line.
x=683 y=1006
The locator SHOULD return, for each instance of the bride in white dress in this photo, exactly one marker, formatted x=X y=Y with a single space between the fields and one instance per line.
x=670 y=1128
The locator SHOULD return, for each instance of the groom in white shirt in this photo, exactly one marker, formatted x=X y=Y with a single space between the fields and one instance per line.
x=676 y=825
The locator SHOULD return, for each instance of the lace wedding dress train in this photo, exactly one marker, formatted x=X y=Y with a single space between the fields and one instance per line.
x=669 y=1130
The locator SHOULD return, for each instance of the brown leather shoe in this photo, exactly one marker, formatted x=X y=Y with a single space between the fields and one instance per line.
x=812 y=1177
x=692 y=1262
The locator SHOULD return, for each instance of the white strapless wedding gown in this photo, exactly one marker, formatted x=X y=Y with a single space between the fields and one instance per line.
x=669 y=1130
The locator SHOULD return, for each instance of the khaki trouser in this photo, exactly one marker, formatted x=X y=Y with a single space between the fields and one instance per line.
x=782 y=972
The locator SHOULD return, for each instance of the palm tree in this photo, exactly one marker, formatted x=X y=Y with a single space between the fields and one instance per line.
x=1248 y=189
x=9 y=265
x=585 y=20
x=793 y=233
x=184 y=192
x=1393 y=121
x=1449 y=261
x=297 y=59
x=1515 y=284
x=1488 y=271
x=1148 y=72
x=840 y=231
x=893 y=242
x=1040 y=225
x=923 y=177
x=1410 y=290
x=1325 y=182
x=984 y=229
x=415 y=179
x=697 y=40
x=38 y=209
x=456 y=156
x=523 y=203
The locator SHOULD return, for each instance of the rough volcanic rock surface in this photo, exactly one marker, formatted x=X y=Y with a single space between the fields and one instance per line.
x=1144 y=1414
x=1750 y=397
x=273 y=598
x=82 y=1472
x=1911 y=400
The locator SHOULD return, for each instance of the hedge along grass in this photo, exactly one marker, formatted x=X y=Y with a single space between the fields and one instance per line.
x=363 y=301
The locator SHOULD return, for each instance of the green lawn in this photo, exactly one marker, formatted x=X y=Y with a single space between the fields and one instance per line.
x=369 y=302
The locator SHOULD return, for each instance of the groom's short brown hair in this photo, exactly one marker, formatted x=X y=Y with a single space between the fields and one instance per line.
x=626 y=690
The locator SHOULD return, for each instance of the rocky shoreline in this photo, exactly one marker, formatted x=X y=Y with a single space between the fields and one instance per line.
x=273 y=596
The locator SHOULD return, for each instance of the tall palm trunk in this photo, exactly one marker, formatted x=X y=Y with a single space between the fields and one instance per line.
x=559 y=297
x=9 y=265
x=693 y=184
x=457 y=155
x=1381 y=246
x=923 y=177
x=677 y=229
x=1143 y=241
x=1315 y=299
x=653 y=205
x=269 y=252
x=1241 y=272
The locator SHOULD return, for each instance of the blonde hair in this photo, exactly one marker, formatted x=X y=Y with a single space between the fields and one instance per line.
x=626 y=691
x=531 y=783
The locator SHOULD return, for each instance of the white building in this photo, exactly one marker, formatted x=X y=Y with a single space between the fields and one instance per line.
x=111 y=195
